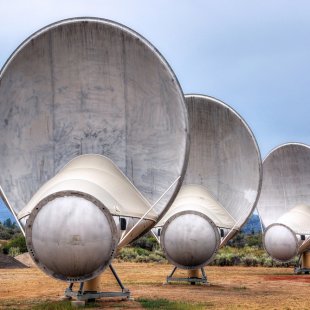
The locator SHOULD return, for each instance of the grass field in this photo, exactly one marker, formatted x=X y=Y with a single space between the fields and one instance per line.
x=230 y=288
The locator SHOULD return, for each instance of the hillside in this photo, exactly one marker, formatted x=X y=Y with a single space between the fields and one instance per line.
x=252 y=225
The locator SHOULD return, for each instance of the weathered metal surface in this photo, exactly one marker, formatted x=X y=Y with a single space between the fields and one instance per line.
x=196 y=197
x=97 y=176
x=90 y=86
x=224 y=156
x=286 y=183
x=280 y=242
x=189 y=239
x=222 y=182
x=71 y=236
x=71 y=232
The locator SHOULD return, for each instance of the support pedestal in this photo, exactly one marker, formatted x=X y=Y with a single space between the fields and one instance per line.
x=193 y=277
x=88 y=292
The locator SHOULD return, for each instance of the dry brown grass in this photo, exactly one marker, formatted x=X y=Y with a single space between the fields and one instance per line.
x=231 y=287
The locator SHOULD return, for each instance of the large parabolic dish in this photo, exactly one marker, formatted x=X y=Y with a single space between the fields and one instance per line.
x=221 y=185
x=84 y=86
x=90 y=86
x=284 y=204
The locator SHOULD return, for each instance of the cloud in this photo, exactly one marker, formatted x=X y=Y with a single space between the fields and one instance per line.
x=254 y=55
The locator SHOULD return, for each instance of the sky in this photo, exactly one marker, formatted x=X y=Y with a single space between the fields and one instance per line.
x=5 y=213
x=253 y=55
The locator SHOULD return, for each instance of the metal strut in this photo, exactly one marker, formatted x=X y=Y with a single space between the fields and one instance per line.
x=191 y=280
x=117 y=278
x=172 y=272
x=82 y=295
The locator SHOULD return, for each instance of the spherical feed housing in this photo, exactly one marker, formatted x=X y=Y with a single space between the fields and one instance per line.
x=280 y=242
x=71 y=236
x=190 y=239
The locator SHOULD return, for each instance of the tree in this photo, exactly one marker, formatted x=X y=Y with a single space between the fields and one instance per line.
x=8 y=223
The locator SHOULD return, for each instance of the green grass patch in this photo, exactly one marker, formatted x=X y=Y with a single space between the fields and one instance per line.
x=60 y=305
x=169 y=305
x=53 y=305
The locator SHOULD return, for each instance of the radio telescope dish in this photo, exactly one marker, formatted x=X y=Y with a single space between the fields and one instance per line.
x=221 y=185
x=89 y=86
x=284 y=204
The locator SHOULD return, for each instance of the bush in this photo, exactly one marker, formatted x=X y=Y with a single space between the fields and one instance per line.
x=250 y=261
x=268 y=262
x=157 y=258
x=140 y=255
x=17 y=242
x=241 y=240
x=14 y=251
x=5 y=235
x=8 y=230
x=254 y=241
x=142 y=252
x=247 y=256
x=226 y=259
x=238 y=241
x=127 y=254
x=146 y=242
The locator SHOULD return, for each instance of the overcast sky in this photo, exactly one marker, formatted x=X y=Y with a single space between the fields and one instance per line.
x=253 y=55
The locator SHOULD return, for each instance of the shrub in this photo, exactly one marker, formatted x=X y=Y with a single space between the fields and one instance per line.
x=140 y=255
x=142 y=252
x=268 y=262
x=254 y=241
x=8 y=230
x=146 y=242
x=127 y=254
x=250 y=261
x=17 y=242
x=226 y=259
x=153 y=257
x=5 y=235
x=14 y=251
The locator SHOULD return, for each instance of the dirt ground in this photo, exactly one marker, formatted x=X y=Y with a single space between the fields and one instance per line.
x=231 y=287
